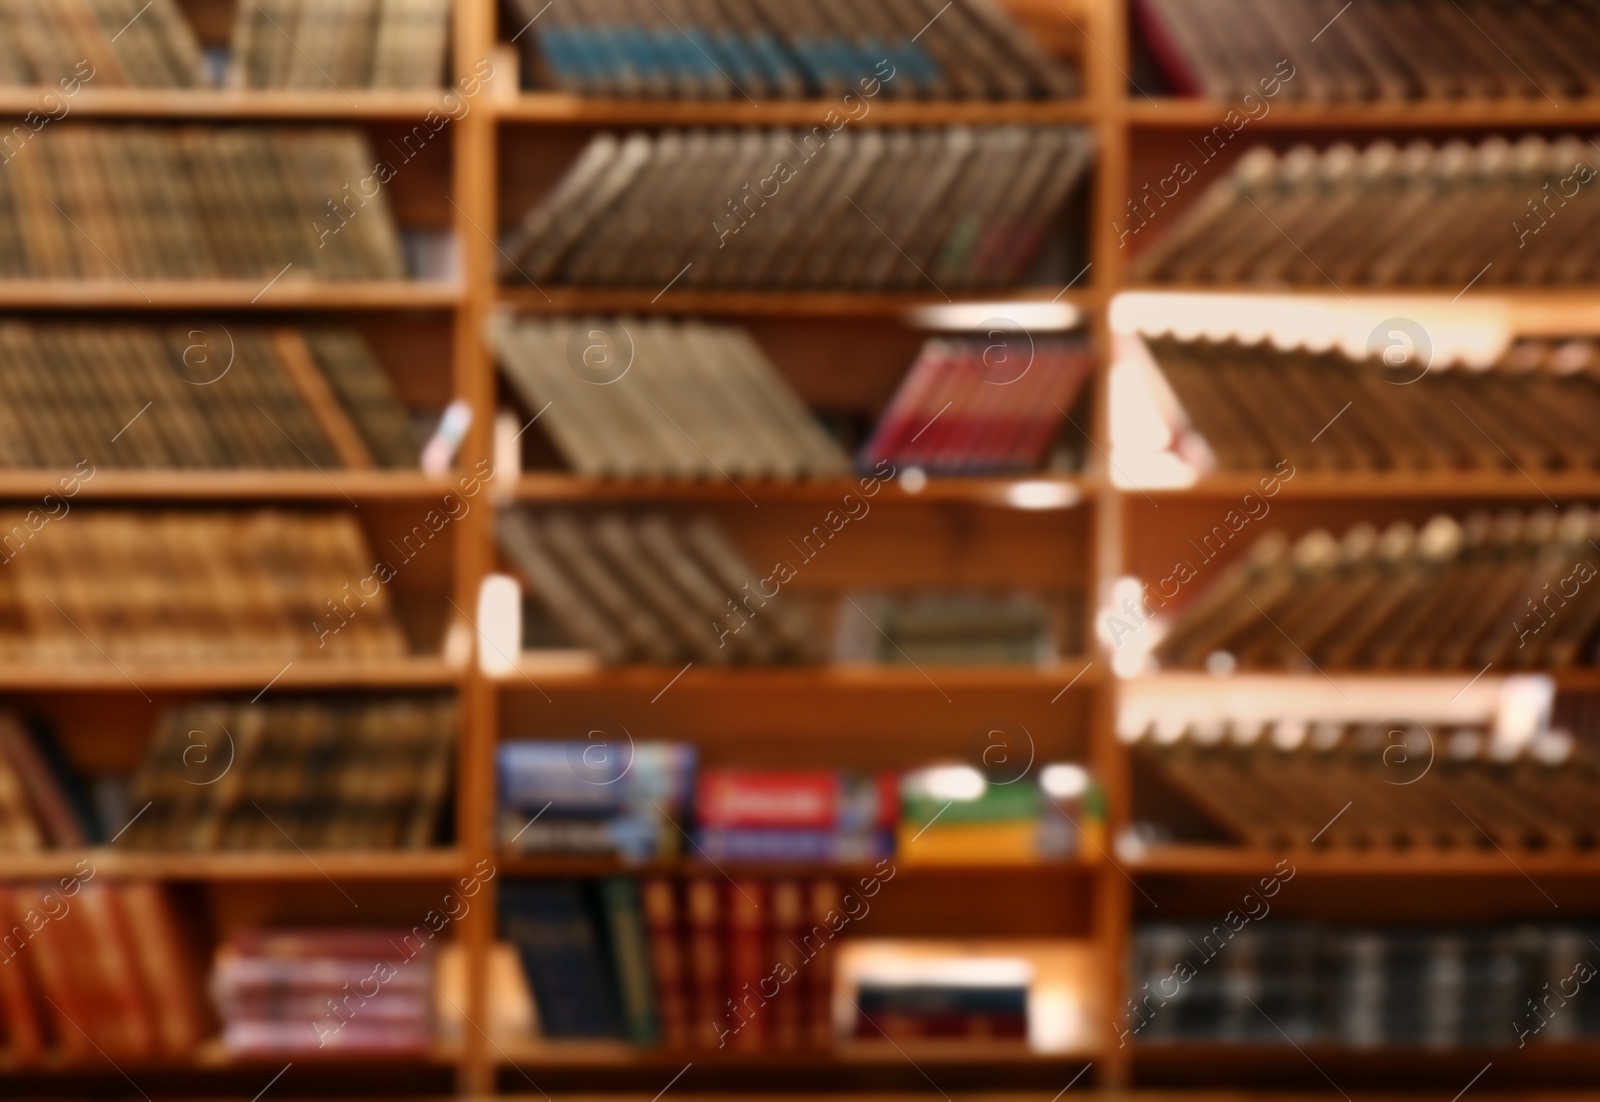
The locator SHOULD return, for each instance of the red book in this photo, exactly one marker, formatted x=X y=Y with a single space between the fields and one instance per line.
x=50 y=951
x=748 y=964
x=787 y=903
x=707 y=964
x=167 y=970
x=659 y=899
x=19 y=995
x=126 y=1023
x=826 y=898
x=751 y=798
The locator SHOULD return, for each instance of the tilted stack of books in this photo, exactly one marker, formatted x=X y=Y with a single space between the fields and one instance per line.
x=111 y=43
x=888 y=210
x=1512 y=590
x=773 y=49
x=1436 y=216
x=1478 y=50
x=1257 y=405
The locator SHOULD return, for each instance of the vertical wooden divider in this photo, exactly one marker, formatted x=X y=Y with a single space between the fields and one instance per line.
x=473 y=187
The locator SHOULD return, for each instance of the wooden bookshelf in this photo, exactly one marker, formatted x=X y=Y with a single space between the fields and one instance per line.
x=889 y=714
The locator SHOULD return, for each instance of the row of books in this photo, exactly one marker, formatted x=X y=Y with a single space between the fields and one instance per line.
x=331 y=45
x=990 y=405
x=884 y=210
x=313 y=398
x=1445 y=788
x=1256 y=405
x=303 y=775
x=320 y=990
x=610 y=796
x=126 y=203
x=683 y=964
x=964 y=627
x=1289 y=982
x=1435 y=216
x=690 y=400
x=95 y=970
x=653 y=588
x=1410 y=50
x=1511 y=590
x=111 y=43
x=721 y=49
x=194 y=586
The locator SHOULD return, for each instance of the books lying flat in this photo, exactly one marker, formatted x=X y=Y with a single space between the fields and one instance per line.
x=1450 y=791
x=312 y=990
x=99 y=43
x=216 y=398
x=1514 y=590
x=981 y=406
x=593 y=797
x=128 y=203
x=648 y=589
x=863 y=209
x=1282 y=981
x=330 y=45
x=1437 y=216
x=1411 y=50
x=305 y=775
x=1256 y=405
x=770 y=50
x=192 y=586
x=92 y=969
x=637 y=398
x=960 y=628
x=698 y=963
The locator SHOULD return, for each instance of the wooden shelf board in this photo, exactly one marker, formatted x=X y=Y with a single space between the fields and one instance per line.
x=567 y=109
x=1200 y=1061
x=561 y=487
x=121 y=294
x=412 y=672
x=610 y=1054
x=516 y=864
x=1219 y=860
x=213 y=1057
x=1571 y=679
x=577 y=675
x=1317 y=485
x=1534 y=111
x=225 y=103
x=116 y=862
x=826 y=304
x=244 y=485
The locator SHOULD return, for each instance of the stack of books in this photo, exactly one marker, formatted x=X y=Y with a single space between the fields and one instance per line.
x=653 y=589
x=43 y=804
x=945 y=1000
x=271 y=583
x=771 y=50
x=604 y=796
x=330 y=45
x=305 y=775
x=953 y=814
x=1289 y=982
x=1256 y=406
x=1418 y=50
x=91 y=970
x=304 y=399
x=698 y=963
x=700 y=401
x=1453 y=787
x=975 y=406
x=961 y=628
x=1512 y=590
x=129 y=203
x=818 y=815
x=885 y=210
x=1435 y=216
x=110 y=43
x=307 y=991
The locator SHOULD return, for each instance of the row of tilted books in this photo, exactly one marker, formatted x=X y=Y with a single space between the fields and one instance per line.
x=229 y=775
x=320 y=45
x=784 y=49
x=1408 y=50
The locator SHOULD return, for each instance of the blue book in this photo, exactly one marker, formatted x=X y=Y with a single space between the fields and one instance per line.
x=557 y=932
